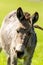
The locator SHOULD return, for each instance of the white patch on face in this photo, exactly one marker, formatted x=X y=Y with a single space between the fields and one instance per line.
x=19 y=47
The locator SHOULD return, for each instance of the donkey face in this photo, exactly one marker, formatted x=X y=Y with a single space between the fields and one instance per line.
x=24 y=32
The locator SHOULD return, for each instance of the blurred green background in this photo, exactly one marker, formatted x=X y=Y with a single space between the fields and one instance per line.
x=8 y=5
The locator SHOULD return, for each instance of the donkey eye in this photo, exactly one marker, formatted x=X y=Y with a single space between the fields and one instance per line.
x=17 y=31
x=21 y=30
x=28 y=33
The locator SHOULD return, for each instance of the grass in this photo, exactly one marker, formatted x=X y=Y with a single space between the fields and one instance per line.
x=8 y=5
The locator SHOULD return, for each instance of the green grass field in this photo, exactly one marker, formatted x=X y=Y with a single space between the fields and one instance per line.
x=8 y=5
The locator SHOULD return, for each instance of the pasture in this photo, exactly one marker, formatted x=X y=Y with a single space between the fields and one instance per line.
x=7 y=6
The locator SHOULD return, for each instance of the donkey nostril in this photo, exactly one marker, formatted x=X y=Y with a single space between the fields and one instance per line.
x=20 y=54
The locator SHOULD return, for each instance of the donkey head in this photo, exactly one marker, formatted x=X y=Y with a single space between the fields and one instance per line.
x=24 y=32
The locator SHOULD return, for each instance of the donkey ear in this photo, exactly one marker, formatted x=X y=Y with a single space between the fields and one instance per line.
x=20 y=14
x=35 y=17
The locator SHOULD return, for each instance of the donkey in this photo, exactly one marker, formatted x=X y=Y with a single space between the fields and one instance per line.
x=17 y=36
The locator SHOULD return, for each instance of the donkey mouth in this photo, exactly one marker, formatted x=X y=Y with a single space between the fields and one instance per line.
x=20 y=54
